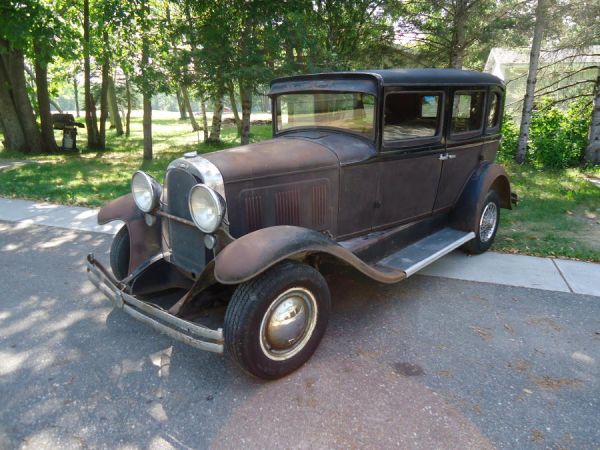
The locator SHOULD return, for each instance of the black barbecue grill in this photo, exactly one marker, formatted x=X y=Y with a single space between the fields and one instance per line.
x=66 y=123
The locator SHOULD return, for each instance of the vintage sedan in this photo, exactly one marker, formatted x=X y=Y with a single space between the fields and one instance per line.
x=384 y=171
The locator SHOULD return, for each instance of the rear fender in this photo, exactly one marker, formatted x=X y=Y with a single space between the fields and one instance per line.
x=255 y=252
x=487 y=176
x=144 y=240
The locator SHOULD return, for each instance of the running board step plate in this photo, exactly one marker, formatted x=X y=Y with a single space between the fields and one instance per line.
x=416 y=256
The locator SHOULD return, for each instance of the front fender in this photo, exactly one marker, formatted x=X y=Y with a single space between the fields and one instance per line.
x=255 y=252
x=487 y=176
x=144 y=240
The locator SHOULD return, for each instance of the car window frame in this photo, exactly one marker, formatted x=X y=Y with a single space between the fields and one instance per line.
x=500 y=93
x=278 y=132
x=463 y=135
x=426 y=142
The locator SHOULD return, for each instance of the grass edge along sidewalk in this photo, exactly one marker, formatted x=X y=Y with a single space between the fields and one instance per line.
x=558 y=215
x=512 y=270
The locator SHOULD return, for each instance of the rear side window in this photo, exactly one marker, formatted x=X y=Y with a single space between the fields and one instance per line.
x=411 y=115
x=467 y=111
x=493 y=117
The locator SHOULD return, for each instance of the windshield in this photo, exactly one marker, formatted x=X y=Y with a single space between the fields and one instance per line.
x=350 y=111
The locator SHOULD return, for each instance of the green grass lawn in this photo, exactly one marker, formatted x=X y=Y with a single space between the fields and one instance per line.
x=92 y=178
x=558 y=215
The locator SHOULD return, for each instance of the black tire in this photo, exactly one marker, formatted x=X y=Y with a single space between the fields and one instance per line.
x=482 y=242
x=119 y=254
x=251 y=303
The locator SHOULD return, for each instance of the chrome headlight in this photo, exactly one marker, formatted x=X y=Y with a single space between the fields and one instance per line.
x=146 y=191
x=207 y=208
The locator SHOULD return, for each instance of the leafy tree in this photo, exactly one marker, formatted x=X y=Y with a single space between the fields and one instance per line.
x=541 y=13
x=33 y=29
x=459 y=33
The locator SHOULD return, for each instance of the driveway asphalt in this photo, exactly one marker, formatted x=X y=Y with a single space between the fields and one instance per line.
x=428 y=363
x=551 y=274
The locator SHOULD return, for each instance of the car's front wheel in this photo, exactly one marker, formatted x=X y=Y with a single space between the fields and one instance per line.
x=274 y=322
x=487 y=225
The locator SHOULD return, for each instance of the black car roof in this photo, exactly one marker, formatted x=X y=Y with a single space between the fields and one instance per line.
x=397 y=77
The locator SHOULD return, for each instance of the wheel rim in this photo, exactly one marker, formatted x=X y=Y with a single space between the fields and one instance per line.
x=288 y=324
x=488 y=222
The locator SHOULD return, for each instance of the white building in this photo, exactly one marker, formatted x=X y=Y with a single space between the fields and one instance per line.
x=558 y=68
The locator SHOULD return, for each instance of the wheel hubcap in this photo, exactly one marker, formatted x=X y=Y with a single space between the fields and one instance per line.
x=288 y=323
x=488 y=222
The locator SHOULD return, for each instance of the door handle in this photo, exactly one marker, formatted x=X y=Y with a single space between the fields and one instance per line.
x=449 y=156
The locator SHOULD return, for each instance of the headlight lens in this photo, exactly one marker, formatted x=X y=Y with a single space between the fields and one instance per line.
x=207 y=208
x=145 y=190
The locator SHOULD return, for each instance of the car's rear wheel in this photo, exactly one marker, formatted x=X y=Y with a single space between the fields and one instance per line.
x=119 y=253
x=487 y=223
x=274 y=323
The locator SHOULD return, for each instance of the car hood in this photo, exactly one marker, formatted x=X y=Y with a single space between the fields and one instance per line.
x=273 y=157
x=295 y=152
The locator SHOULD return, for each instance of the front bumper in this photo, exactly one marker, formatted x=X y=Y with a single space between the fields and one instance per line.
x=182 y=330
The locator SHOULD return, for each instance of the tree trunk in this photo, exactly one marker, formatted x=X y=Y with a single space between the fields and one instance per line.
x=215 y=130
x=43 y=98
x=204 y=119
x=147 y=125
x=146 y=94
x=90 y=109
x=104 y=93
x=592 y=151
x=534 y=58
x=181 y=105
x=14 y=137
x=185 y=98
x=457 y=51
x=246 y=97
x=113 y=108
x=234 y=109
x=128 y=116
x=20 y=129
x=56 y=105
x=76 y=96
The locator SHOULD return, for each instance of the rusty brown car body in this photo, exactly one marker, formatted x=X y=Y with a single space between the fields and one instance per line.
x=384 y=171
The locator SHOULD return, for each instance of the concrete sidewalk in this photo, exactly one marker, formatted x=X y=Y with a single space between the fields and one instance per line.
x=550 y=274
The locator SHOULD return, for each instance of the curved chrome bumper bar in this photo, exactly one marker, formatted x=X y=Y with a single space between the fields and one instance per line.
x=187 y=332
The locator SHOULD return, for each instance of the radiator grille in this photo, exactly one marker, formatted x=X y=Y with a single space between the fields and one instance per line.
x=186 y=241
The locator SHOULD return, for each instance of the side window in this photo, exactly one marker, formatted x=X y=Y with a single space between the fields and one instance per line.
x=411 y=115
x=467 y=111
x=493 y=117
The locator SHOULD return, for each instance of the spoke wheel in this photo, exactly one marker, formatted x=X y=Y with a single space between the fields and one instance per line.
x=485 y=225
x=488 y=222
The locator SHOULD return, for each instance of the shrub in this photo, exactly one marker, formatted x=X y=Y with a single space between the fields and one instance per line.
x=510 y=138
x=557 y=138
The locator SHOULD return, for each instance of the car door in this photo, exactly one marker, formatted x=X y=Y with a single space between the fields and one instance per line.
x=463 y=144
x=409 y=163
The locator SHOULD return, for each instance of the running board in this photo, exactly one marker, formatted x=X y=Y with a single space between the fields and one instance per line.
x=416 y=256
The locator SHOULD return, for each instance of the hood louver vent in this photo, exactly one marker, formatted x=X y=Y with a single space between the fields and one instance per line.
x=319 y=205
x=253 y=207
x=288 y=208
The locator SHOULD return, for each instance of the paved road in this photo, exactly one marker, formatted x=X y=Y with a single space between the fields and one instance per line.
x=429 y=363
